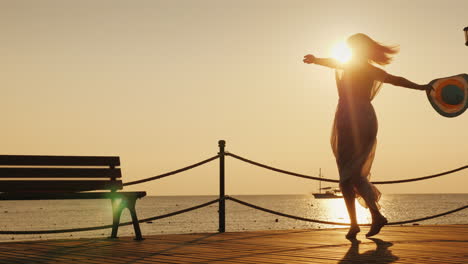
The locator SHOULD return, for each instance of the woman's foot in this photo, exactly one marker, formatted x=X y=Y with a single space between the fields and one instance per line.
x=377 y=224
x=353 y=230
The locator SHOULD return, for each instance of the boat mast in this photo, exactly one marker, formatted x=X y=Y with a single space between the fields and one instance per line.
x=320 y=181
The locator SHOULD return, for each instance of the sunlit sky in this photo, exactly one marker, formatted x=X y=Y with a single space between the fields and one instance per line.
x=158 y=83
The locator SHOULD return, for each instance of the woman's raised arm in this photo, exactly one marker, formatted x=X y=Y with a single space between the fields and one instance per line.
x=403 y=82
x=327 y=62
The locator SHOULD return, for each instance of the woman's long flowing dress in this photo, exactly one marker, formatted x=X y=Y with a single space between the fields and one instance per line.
x=354 y=135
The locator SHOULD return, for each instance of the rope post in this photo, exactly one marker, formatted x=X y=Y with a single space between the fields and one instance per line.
x=222 y=205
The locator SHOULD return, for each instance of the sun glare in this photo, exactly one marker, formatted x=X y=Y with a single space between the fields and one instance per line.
x=341 y=52
x=337 y=211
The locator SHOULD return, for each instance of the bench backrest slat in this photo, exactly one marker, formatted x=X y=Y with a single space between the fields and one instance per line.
x=21 y=173
x=58 y=173
x=58 y=186
x=32 y=160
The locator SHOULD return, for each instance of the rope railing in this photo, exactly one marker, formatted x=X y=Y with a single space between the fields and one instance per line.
x=279 y=170
x=337 y=181
x=39 y=232
x=71 y=230
x=284 y=172
x=172 y=172
x=222 y=197
x=338 y=223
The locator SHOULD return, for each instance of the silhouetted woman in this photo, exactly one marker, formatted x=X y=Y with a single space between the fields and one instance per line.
x=355 y=127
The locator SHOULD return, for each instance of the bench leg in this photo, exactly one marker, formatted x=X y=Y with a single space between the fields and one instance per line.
x=116 y=213
x=136 y=224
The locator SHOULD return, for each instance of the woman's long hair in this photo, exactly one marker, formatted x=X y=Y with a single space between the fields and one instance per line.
x=363 y=45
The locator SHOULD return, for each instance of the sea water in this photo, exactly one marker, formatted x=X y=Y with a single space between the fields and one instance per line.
x=64 y=214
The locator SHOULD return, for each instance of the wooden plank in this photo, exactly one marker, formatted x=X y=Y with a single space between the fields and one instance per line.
x=59 y=173
x=38 y=160
x=58 y=196
x=58 y=186
x=407 y=244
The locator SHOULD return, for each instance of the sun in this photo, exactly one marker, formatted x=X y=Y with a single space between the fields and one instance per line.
x=341 y=52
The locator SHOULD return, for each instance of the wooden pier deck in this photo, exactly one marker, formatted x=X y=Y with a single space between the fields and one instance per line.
x=402 y=244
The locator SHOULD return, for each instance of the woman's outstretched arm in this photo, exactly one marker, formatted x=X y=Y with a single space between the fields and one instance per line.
x=327 y=62
x=400 y=81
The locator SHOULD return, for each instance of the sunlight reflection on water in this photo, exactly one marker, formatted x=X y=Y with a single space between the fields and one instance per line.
x=337 y=212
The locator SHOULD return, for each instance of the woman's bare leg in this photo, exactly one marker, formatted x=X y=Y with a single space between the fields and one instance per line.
x=378 y=220
x=349 y=196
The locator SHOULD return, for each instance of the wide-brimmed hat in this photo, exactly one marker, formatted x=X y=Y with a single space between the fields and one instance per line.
x=450 y=95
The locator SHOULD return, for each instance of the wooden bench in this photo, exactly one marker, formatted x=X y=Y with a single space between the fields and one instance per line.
x=68 y=177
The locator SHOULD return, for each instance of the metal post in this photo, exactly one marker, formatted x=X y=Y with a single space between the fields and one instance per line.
x=222 y=212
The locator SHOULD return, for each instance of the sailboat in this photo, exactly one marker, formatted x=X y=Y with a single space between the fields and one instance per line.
x=330 y=192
